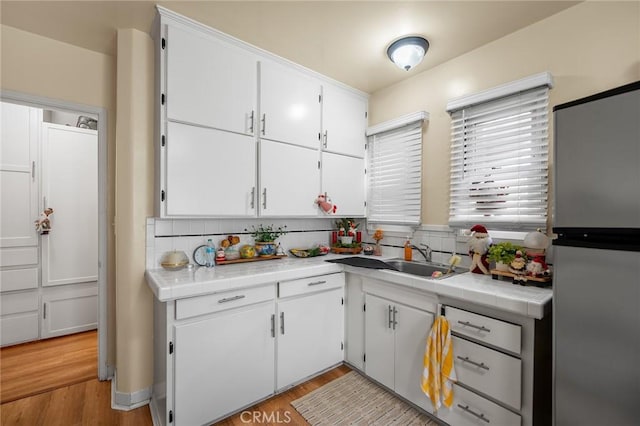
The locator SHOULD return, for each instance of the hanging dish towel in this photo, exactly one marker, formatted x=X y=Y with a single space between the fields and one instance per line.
x=439 y=374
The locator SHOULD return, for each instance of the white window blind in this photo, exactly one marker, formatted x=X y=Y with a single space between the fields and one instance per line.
x=499 y=162
x=394 y=175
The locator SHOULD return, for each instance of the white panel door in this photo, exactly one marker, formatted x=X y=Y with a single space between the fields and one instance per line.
x=289 y=180
x=290 y=105
x=379 y=340
x=69 y=309
x=70 y=188
x=209 y=172
x=210 y=82
x=19 y=135
x=344 y=183
x=310 y=335
x=344 y=121
x=412 y=329
x=223 y=363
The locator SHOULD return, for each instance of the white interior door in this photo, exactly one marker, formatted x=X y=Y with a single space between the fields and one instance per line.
x=70 y=188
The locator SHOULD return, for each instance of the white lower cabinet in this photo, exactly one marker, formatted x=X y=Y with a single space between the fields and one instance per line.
x=354 y=318
x=69 y=309
x=396 y=328
x=223 y=363
x=19 y=317
x=310 y=328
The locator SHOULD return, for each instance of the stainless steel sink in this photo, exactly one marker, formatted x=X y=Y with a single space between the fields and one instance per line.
x=422 y=269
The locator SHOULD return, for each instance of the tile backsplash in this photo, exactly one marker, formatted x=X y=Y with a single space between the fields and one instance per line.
x=187 y=234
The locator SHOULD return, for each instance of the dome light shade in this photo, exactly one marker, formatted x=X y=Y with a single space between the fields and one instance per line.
x=408 y=52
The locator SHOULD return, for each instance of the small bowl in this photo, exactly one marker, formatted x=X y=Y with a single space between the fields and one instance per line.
x=174 y=260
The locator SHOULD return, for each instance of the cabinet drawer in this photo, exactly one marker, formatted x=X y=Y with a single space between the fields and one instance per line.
x=18 y=328
x=194 y=306
x=310 y=285
x=484 y=329
x=19 y=279
x=488 y=371
x=470 y=409
x=15 y=303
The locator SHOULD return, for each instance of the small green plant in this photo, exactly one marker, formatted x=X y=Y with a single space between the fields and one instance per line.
x=266 y=233
x=504 y=252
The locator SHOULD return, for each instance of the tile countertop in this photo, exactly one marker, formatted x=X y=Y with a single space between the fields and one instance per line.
x=166 y=285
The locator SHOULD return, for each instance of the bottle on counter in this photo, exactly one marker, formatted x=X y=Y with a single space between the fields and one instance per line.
x=210 y=254
x=408 y=251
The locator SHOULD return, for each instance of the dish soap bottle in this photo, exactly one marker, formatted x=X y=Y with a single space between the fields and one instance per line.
x=408 y=251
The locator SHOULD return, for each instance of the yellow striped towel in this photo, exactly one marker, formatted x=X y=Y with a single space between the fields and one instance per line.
x=439 y=373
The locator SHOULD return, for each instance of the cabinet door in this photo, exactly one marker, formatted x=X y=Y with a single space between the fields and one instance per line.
x=211 y=383
x=18 y=181
x=69 y=309
x=344 y=121
x=209 y=172
x=18 y=317
x=354 y=306
x=412 y=329
x=344 y=183
x=289 y=180
x=379 y=340
x=70 y=184
x=310 y=335
x=290 y=105
x=210 y=82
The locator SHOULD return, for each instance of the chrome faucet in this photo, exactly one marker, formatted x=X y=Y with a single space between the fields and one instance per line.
x=426 y=253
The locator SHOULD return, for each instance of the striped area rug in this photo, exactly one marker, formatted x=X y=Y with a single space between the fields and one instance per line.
x=355 y=400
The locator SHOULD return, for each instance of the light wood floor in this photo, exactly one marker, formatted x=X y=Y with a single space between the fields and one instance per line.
x=73 y=399
x=36 y=367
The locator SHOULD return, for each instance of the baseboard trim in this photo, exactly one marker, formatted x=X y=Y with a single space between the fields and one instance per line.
x=128 y=401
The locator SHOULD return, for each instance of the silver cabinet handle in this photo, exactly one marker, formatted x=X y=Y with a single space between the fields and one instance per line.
x=390 y=320
x=477 y=364
x=324 y=143
x=395 y=311
x=317 y=283
x=477 y=327
x=33 y=170
x=251 y=122
x=253 y=197
x=264 y=198
x=281 y=322
x=264 y=122
x=473 y=413
x=273 y=325
x=231 y=299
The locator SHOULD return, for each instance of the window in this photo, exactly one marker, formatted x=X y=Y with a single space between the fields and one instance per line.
x=394 y=171
x=499 y=157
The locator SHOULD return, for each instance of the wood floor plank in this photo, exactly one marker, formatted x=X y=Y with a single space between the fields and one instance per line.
x=41 y=366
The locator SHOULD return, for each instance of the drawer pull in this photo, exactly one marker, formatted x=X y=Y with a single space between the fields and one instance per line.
x=317 y=283
x=477 y=364
x=477 y=327
x=282 y=322
x=390 y=320
x=473 y=413
x=231 y=299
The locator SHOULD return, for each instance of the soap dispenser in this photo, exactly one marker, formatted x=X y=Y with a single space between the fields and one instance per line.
x=408 y=250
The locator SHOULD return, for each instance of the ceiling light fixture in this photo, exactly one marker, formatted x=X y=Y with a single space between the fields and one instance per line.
x=408 y=52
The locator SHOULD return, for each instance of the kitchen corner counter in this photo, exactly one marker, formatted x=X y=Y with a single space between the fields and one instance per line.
x=528 y=301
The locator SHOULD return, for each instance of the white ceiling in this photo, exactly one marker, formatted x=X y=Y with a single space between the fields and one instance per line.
x=344 y=40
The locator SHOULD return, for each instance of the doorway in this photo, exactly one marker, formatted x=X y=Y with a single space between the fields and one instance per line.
x=59 y=299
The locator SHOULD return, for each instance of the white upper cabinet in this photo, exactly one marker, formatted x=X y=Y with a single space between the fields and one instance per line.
x=19 y=183
x=210 y=82
x=289 y=180
x=343 y=182
x=209 y=172
x=344 y=121
x=289 y=105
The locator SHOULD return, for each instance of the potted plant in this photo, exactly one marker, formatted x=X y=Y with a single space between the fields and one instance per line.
x=346 y=230
x=503 y=253
x=264 y=237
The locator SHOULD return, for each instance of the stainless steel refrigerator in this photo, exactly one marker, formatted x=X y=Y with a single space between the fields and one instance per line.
x=596 y=257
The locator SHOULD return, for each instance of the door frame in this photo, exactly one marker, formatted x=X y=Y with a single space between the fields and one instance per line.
x=105 y=371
